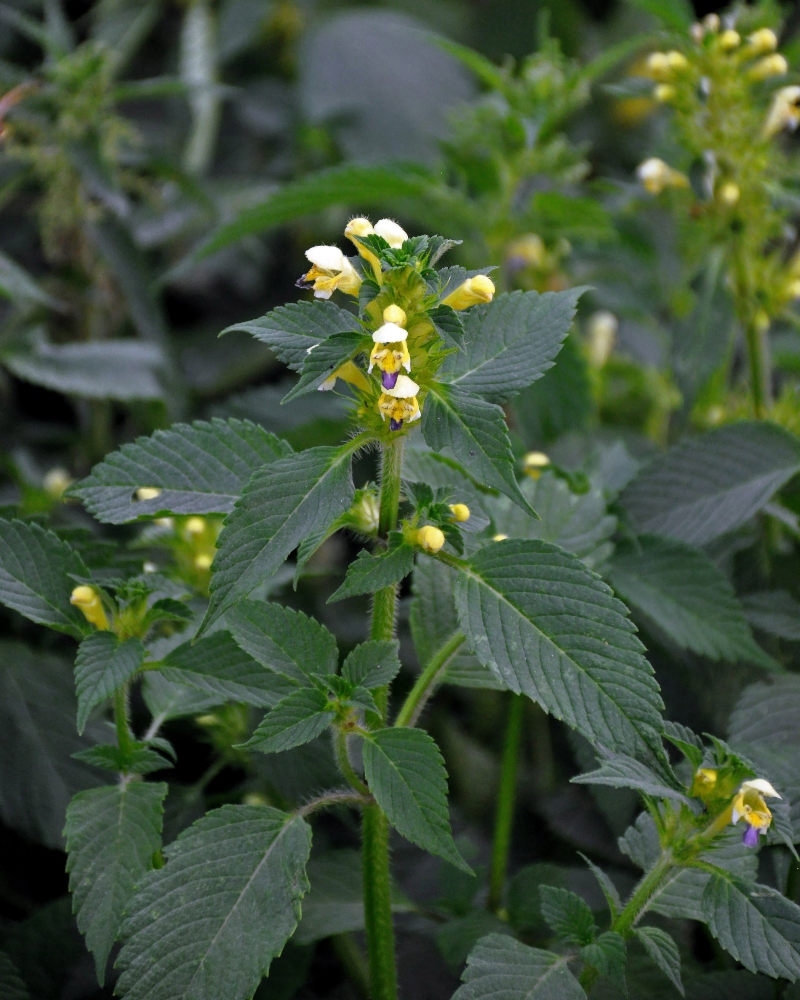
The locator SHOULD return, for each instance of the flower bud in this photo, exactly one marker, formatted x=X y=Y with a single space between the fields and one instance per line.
x=729 y=193
x=480 y=288
x=762 y=41
x=195 y=526
x=534 y=463
x=655 y=176
x=774 y=65
x=729 y=40
x=430 y=538
x=676 y=61
x=203 y=561
x=601 y=333
x=148 y=493
x=394 y=234
x=55 y=481
x=87 y=599
x=460 y=511
x=657 y=65
x=664 y=93
x=394 y=314
x=784 y=111
x=499 y=538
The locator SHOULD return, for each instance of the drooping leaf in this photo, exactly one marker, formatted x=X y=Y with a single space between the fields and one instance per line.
x=473 y=431
x=283 y=640
x=567 y=914
x=102 y=665
x=681 y=591
x=112 y=834
x=369 y=573
x=501 y=968
x=511 y=342
x=756 y=924
x=208 y=924
x=608 y=888
x=663 y=950
x=200 y=468
x=323 y=361
x=709 y=485
x=36 y=569
x=406 y=774
x=297 y=719
x=373 y=663
x=549 y=628
x=280 y=504
x=620 y=771
x=217 y=664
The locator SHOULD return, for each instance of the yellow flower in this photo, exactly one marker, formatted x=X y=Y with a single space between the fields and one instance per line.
x=55 y=481
x=148 y=493
x=729 y=40
x=655 y=176
x=363 y=227
x=761 y=41
x=400 y=403
x=390 y=352
x=729 y=193
x=534 y=463
x=430 y=538
x=774 y=65
x=348 y=372
x=704 y=782
x=394 y=234
x=460 y=511
x=330 y=270
x=88 y=601
x=749 y=805
x=784 y=111
x=474 y=290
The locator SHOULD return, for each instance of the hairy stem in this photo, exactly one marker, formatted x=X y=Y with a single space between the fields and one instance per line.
x=506 y=801
x=124 y=738
x=343 y=761
x=426 y=682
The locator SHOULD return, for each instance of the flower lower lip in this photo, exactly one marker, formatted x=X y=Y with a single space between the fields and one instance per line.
x=750 y=838
x=395 y=425
x=389 y=379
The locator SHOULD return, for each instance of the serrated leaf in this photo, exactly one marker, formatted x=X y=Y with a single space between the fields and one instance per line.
x=208 y=924
x=370 y=573
x=36 y=569
x=608 y=888
x=775 y=612
x=297 y=719
x=141 y=759
x=501 y=968
x=756 y=924
x=102 y=665
x=456 y=938
x=607 y=954
x=112 y=834
x=280 y=504
x=217 y=664
x=474 y=432
x=291 y=330
x=373 y=663
x=511 y=342
x=681 y=591
x=709 y=485
x=283 y=640
x=12 y=986
x=567 y=915
x=406 y=774
x=107 y=369
x=550 y=629
x=323 y=361
x=663 y=950
x=200 y=468
x=559 y=403
x=620 y=771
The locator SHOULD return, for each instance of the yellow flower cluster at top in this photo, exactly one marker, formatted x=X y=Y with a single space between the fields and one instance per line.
x=402 y=330
x=743 y=802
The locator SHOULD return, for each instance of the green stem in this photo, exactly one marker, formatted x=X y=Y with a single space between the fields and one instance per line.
x=427 y=680
x=124 y=738
x=352 y=960
x=375 y=829
x=343 y=760
x=506 y=801
x=758 y=357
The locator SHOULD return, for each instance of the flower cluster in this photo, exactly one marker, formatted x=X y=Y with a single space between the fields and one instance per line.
x=734 y=800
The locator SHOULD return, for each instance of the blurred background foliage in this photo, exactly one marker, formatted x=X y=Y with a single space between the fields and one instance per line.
x=163 y=166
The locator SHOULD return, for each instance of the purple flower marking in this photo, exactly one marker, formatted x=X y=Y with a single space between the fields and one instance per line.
x=750 y=838
x=389 y=379
x=395 y=425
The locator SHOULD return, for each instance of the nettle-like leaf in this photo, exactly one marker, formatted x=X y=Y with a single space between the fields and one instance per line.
x=292 y=329
x=406 y=774
x=620 y=771
x=218 y=665
x=775 y=612
x=208 y=924
x=278 y=507
x=369 y=573
x=567 y=915
x=663 y=950
x=283 y=640
x=103 y=664
x=501 y=968
x=562 y=402
x=323 y=361
x=683 y=593
x=474 y=432
x=112 y=834
x=756 y=924
x=511 y=342
x=200 y=468
x=297 y=719
x=139 y=759
x=607 y=954
x=709 y=485
x=372 y=664
x=548 y=628
x=36 y=570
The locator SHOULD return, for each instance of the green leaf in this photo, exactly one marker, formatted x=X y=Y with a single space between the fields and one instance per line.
x=682 y=592
x=620 y=771
x=677 y=14
x=501 y=968
x=567 y=915
x=11 y=985
x=709 y=485
x=323 y=361
x=200 y=468
x=112 y=834
x=406 y=774
x=559 y=403
x=297 y=719
x=585 y=219
x=283 y=640
x=36 y=570
x=775 y=612
x=217 y=664
x=370 y=573
x=102 y=665
x=38 y=775
x=756 y=924
x=663 y=950
x=607 y=954
x=549 y=628
x=511 y=342
x=473 y=431
x=208 y=924
x=373 y=663
x=608 y=888
x=18 y=286
x=456 y=938
x=291 y=331
x=107 y=369
x=342 y=185
x=141 y=759
x=279 y=506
